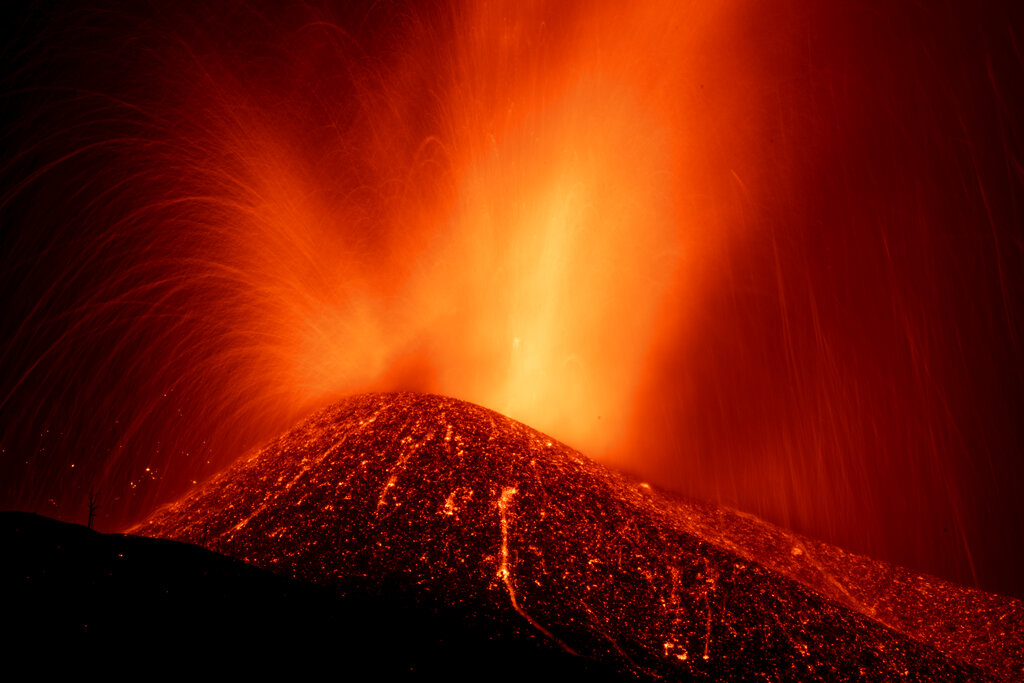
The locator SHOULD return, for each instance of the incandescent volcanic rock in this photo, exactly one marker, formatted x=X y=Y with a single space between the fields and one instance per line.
x=475 y=510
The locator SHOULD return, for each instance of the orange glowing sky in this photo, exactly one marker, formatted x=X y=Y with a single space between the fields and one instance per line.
x=769 y=256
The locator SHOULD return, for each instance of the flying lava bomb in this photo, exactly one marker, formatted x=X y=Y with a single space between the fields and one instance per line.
x=769 y=256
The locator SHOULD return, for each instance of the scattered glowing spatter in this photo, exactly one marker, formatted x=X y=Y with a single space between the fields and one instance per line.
x=498 y=516
x=768 y=253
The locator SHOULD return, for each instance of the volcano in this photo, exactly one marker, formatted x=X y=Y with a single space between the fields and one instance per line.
x=474 y=510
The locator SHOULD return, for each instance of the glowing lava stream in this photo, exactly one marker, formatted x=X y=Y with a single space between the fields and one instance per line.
x=505 y=574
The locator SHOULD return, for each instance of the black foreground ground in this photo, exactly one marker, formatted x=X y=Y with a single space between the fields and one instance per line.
x=126 y=598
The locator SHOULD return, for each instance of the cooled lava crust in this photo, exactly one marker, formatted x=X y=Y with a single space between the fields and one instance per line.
x=475 y=510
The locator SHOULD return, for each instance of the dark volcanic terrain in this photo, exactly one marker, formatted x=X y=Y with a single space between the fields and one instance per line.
x=142 y=602
x=465 y=508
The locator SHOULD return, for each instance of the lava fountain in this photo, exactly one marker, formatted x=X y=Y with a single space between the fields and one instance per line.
x=766 y=256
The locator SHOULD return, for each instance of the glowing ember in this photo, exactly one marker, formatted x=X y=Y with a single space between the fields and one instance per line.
x=478 y=509
x=767 y=254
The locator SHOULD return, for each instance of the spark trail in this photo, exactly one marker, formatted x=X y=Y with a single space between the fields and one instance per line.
x=768 y=255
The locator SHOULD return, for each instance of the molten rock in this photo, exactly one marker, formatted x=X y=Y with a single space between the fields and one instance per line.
x=473 y=509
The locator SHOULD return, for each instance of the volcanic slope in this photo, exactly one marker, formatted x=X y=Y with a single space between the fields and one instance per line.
x=475 y=510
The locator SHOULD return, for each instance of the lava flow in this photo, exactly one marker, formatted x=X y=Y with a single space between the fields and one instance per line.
x=475 y=509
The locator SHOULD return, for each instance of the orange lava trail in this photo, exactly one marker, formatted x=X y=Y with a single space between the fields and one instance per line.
x=505 y=574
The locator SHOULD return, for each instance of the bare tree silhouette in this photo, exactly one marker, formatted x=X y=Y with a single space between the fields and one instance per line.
x=93 y=507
